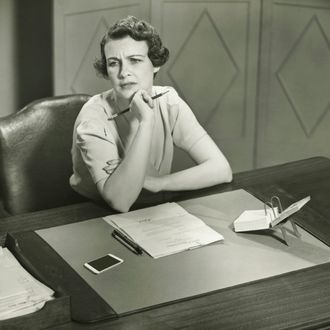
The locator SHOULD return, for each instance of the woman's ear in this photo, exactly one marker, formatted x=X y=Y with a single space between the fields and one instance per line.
x=156 y=69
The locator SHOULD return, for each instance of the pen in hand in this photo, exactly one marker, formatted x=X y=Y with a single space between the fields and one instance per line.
x=128 y=109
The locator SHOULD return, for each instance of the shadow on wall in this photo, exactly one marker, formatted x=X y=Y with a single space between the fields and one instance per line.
x=34 y=46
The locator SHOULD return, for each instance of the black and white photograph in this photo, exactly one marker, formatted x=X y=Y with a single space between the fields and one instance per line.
x=164 y=164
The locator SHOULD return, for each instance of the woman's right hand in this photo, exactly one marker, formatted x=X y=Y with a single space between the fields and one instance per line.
x=142 y=105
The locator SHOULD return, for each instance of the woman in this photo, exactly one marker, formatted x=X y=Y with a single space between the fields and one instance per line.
x=115 y=157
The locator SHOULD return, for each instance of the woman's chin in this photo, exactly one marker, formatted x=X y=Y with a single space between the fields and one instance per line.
x=126 y=95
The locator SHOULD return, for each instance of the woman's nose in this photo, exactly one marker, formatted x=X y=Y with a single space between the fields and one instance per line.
x=124 y=70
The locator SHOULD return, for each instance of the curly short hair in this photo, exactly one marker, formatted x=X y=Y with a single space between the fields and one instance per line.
x=137 y=30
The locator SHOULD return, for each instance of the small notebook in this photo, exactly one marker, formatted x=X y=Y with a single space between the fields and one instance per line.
x=266 y=218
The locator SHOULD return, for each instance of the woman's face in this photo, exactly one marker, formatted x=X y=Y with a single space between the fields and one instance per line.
x=129 y=67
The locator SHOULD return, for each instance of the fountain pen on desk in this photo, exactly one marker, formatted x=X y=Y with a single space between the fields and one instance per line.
x=128 y=109
x=123 y=239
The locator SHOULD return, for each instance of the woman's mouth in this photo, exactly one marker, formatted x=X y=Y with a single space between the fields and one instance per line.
x=127 y=85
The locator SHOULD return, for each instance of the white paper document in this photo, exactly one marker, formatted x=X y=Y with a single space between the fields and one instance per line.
x=20 y=293
x=265 y=219
x=164 y=229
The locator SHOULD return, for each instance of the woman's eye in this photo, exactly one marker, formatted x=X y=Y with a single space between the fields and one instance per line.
x=112 y=64
x=135 y=60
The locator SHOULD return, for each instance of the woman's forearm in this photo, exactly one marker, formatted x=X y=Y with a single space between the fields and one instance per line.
x=122 y=188
x=203 y=175
x=212 y=168
x=206 y=174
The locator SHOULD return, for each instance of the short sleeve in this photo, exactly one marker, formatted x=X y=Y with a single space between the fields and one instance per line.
x=186 y=129
x=97 y=147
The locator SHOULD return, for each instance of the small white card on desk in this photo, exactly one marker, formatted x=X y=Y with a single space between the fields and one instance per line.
x=267 y=218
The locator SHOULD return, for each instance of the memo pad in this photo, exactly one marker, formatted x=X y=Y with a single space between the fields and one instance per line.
x=142 y=282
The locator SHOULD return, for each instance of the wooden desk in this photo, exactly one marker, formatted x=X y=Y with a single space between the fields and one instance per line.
x=294 y=300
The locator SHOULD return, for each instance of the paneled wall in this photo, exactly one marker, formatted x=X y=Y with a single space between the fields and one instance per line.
x=8 y=72
x=294 y=86
x=78 y=28
x=255 y=72
x=213 y=65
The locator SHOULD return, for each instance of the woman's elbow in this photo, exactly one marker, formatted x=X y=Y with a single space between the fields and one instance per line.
x=120 y=205
x=224 y=171
x=228 y=175
x=117 y=201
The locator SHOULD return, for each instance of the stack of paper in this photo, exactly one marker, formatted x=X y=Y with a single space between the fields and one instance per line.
x=20 y=293
x=164 y=229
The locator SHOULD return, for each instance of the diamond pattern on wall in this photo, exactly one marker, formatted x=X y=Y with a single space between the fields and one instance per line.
x=84 y=81
x=212 y=61
x=308 y=89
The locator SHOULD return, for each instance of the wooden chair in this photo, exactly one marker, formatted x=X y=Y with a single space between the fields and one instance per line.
x=35 y=157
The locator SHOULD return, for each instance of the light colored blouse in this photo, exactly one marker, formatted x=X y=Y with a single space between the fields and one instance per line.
x=98 y=140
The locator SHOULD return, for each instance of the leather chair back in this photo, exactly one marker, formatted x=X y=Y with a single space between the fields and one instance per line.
x=35 y=154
